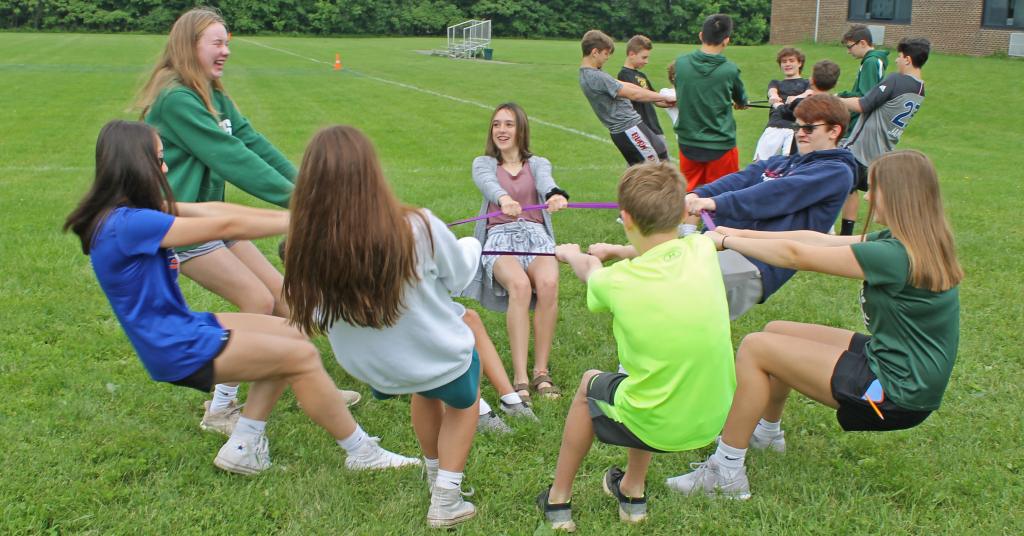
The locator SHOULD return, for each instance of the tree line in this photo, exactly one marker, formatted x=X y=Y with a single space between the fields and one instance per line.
x=676 y=21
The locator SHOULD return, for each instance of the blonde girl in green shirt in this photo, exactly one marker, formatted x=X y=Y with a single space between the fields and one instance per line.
x=207 y=142
x=891 y=380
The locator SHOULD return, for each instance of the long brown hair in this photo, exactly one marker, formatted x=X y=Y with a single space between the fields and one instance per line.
x=913 y=210
x=522 y=132
x=128 y=174
x=351 y=250
x=179 y=64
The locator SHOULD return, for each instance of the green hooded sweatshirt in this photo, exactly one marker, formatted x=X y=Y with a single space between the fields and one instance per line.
x=707 y=85
x=871 y=72
x=202 y=152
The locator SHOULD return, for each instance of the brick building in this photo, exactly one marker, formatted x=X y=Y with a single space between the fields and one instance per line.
x=974 y=27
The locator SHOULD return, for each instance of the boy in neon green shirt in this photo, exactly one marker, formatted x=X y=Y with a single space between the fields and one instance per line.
x=680 y=381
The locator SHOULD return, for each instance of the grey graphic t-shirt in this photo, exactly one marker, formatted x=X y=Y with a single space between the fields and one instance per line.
x=888 y=107
x=616 y=114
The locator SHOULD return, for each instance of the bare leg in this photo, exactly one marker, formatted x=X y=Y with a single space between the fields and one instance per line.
x=266 y=351
x=458 y=428
x=511 y=275
x=633 y=481
x=543 y=273
x=490 y=362
x=576 y=441
x=250 y=255
x=798 y=363
x=427 y=415
x=851 y=206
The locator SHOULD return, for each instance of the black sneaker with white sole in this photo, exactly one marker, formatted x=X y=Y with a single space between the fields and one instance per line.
x=559 y=515
x=631 y=509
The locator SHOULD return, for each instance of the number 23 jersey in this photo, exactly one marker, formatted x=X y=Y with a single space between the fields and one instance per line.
x=887 y=109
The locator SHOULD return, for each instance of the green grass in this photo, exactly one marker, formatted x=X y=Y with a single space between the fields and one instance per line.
x=91 y=445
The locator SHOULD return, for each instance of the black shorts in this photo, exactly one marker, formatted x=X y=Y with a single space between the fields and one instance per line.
x=638 y=145
x=602 y=387
x=202 y=379
x=850 y=381
x=860 y=182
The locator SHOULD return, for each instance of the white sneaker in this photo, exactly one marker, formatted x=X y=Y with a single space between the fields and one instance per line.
x=710 y=479
x=431 y=473
x=777 y=442
x=222 y=421
x=374 y=457
x=239 y=456
x=447 y=508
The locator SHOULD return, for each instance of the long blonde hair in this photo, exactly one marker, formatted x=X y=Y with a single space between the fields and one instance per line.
x=179 y=64
x=913 y=210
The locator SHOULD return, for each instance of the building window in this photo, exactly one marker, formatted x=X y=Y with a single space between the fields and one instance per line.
x=1004 y=14
x=884 y=11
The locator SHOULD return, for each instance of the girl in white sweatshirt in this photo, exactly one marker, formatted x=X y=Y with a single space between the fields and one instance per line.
x=375 y=276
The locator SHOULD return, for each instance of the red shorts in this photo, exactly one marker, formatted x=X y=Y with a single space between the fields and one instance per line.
x=699 y=173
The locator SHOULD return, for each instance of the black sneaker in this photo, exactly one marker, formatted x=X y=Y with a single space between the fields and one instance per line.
x=560 y=515
x=631 y=510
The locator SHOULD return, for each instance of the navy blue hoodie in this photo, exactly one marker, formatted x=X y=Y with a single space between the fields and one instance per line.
x=783 y=193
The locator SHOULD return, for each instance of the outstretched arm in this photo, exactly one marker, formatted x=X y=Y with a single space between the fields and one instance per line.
x=584 y=265
x=212 y=209
x=811 y=238
x=606 y=252
x=636 y=93
x=838 y=261
x=186 y=231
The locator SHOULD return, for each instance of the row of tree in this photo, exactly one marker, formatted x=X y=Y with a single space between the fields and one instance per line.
x=676 y=21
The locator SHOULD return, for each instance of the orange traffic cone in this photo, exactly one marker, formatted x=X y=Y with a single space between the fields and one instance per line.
x=337 y=62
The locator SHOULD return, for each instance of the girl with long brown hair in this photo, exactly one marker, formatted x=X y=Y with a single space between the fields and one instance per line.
x=890 y=380
x=207 y=142
x=129 y=225
x=374 y=275
x=510 y=177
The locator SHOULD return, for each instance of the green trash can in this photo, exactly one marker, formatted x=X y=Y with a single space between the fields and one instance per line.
x=488 y=53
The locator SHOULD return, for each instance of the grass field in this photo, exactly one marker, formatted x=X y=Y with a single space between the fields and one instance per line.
x=91 y=445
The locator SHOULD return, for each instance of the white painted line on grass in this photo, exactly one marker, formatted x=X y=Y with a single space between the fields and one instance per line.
x=534 y=119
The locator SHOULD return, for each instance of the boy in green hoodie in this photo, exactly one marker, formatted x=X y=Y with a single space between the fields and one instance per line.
x=872 y=69
x=710 y=88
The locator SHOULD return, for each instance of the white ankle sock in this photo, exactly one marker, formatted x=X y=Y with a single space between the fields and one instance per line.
x=767 y=430
x=250 y=430
x=432 y=464
x=485 y=408
x=686 y=230
x=729 y=459
x=222 y=396
x=512 y=398
x=355 y=442
x=448 y=479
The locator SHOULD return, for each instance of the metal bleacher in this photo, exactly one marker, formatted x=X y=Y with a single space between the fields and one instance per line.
x=467 y=39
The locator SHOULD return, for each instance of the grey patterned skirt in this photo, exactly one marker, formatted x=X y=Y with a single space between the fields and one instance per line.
x=519 y=235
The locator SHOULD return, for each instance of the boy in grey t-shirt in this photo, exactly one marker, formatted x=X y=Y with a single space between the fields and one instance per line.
x=611 y=98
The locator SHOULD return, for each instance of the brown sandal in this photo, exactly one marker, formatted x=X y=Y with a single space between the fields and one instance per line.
x=551 y=392
x=523 y=387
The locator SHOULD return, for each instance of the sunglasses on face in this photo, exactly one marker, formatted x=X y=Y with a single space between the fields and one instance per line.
x=848 y=47
x=808 y=129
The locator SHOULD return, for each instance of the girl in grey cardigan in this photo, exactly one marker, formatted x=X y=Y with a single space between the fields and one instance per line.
x=510 y=177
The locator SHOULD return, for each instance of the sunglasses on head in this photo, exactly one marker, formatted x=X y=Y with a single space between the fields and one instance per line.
x=808 y=128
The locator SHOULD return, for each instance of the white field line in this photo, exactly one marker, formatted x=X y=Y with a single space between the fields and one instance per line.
x=534 y=119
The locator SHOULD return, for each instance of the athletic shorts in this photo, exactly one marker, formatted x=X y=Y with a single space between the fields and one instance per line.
x=861 y=180
x=203 y=249
x=602 y=387
x=638 y=145
x=202 y=379
x=851 y=381
x=459 y=393
x=774 y=141
x=699 y=173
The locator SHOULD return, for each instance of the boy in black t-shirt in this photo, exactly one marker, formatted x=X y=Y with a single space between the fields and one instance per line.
x=824 y=77
x=778 y=134
x=638 y=53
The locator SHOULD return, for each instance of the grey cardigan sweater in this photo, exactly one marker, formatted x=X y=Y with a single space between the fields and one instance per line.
x=485 y=176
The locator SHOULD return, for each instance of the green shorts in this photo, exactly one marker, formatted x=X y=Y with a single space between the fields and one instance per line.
x=459 y=393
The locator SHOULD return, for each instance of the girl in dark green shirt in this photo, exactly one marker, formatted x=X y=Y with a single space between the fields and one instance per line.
x=890 y=380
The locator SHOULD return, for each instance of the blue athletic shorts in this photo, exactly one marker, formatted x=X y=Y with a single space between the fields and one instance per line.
x=459 y=393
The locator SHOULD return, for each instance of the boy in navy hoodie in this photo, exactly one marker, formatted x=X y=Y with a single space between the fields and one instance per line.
x=783 y=193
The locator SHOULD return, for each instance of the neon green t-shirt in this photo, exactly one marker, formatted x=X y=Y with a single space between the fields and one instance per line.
x=672 y=329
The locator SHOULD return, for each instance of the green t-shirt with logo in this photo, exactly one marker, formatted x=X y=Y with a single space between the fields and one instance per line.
x=915 y=332
x=672 y=329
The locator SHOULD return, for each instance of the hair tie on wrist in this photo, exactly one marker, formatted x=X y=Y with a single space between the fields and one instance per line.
x=557 y=191
x=723 y=243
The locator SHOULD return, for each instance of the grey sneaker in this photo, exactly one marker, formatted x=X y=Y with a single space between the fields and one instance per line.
x=241 y=457
x=222 y=421
x=631 y=509
x=518 y=410
x=777 y=442
x=447 y=508
x=490 y=422
x=559 y=515
x=708 y=477
x=374 y=457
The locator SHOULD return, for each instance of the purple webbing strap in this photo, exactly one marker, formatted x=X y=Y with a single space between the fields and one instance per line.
x=706 y=216
x=516 y=253
x=539 y=207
